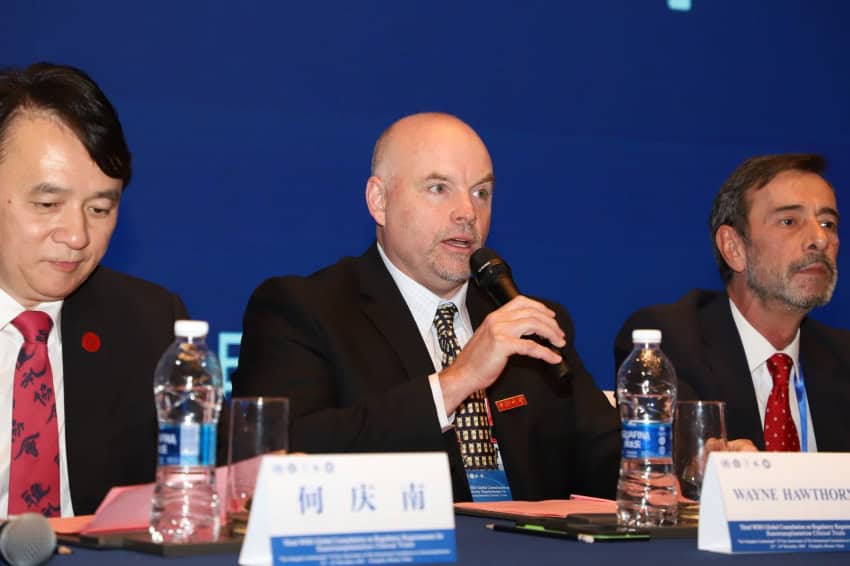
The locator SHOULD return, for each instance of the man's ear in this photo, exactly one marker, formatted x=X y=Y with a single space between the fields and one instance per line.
x=376 y=199
x=732 y=248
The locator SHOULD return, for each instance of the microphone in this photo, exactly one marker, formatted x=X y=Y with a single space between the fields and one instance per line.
x=493 y=275
x=26 y=540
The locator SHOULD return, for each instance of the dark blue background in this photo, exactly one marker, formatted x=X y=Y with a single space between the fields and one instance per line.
x=611 y=124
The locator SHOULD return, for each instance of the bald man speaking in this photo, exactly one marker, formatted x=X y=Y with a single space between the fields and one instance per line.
x=395 y=351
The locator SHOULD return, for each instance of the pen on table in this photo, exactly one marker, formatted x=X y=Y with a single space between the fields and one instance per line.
x=539 y=530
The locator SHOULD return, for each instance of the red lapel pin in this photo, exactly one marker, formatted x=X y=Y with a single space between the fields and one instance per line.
x=91 y=342
x=511 y=403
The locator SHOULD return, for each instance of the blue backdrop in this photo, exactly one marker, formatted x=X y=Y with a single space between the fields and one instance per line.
x=611 y=124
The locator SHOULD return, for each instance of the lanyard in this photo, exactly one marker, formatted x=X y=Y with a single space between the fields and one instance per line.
x=800 y=390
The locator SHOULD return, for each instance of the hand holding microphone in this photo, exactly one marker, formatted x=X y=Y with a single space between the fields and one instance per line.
x=493 y=275
x=504 y=332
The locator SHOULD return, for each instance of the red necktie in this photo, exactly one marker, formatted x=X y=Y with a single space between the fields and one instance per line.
x=780 y=433
x=34 y=468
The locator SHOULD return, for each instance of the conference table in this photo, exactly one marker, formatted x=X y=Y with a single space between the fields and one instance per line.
x=478 y=545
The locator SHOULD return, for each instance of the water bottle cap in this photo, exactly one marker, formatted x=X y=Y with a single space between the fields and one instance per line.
x=191 y=328
x=646 y=336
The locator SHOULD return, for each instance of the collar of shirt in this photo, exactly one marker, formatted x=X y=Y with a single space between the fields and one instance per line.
x=423 y=303
x=758 y=350
x=10 y=309
x=756 y=347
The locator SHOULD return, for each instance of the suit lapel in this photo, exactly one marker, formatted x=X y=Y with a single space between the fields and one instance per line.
x=478 y=304
x=729 y=372
x=87 y=379
x=384 y=305
x=821 y=374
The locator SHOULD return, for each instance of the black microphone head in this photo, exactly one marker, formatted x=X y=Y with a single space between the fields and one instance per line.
x=487 y=266
x=27 y=540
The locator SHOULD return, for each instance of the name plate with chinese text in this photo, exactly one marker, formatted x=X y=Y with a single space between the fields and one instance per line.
x=351 y=509
x=775 y=502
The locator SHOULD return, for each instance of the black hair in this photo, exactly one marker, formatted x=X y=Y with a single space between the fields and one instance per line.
x=75 y=99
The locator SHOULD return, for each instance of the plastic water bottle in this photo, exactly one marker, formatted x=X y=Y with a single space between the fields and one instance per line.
x=188 y=392
x=646 y=395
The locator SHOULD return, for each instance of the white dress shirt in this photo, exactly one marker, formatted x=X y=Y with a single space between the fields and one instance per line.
x=423 y=306
x=758 y=350
x=10 y=344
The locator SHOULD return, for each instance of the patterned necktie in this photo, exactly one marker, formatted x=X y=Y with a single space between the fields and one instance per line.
x=34 y=468
x=471 y=422
x=780 y=434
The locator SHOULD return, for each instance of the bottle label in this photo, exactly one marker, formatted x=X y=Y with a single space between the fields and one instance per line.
x=187 y=444
x=643 y=439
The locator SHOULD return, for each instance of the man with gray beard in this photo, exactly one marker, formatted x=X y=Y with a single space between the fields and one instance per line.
x=395 y=351
x=784 y=376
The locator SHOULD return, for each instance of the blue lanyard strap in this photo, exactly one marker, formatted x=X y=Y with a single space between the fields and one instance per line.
x=800 y=390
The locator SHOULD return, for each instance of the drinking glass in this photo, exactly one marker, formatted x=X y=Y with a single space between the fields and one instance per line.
x=699 y=427
x=258 y=426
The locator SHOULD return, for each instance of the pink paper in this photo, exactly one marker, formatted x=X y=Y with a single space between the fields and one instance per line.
x=547 y=508
x=69 y=525
x=128 y=508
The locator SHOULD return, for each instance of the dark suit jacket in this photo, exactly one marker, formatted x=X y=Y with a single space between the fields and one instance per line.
x=343 y=346
x=110 y=417
x=700 y=337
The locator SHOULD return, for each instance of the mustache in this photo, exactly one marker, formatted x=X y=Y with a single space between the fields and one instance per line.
x=812 y=259
x=468 y=231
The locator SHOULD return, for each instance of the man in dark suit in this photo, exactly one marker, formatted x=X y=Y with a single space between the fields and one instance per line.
x=368 y=366
x=78 y=404
x=774 y=225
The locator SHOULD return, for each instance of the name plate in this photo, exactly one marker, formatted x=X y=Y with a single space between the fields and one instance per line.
x=775 y=502
x=351 y=509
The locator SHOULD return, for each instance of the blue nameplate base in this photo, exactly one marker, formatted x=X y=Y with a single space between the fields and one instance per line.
x=389 y=547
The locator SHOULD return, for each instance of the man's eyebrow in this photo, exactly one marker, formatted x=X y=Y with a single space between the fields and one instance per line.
x=437 y=177
x=798 y=207
x=51 y=189
x=488 y=178
x=48 y=188
x=112 y=194
x=829 y=210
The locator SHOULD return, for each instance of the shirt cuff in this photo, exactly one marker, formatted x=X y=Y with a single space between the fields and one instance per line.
x=446 y=421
